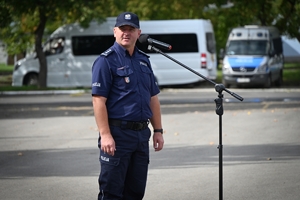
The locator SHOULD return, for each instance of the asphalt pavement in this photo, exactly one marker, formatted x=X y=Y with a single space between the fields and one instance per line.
x=38 y=104
x=56 y=157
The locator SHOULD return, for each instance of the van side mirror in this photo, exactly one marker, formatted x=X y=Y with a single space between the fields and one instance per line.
x=272 y=53
x=221 y=53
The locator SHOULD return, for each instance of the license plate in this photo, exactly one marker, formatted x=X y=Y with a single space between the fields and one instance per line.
x=243 y=80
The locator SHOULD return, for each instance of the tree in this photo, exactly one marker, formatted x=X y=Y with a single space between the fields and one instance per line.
x=25 y=22
x=288 y=17
x=284 y=14
x=225 y=15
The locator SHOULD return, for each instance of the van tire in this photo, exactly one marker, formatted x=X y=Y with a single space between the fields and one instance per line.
x=279 y=81
x=31 y=79
x=268 y=84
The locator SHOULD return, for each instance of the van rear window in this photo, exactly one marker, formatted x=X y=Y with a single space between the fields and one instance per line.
x=181 y=43
x=91 y=45
x=210 y=43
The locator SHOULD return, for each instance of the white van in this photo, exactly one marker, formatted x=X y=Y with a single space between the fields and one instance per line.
x=71 y=51
x=254 y=56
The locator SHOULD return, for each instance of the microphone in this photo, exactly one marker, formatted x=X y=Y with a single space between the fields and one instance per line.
x=145 y=39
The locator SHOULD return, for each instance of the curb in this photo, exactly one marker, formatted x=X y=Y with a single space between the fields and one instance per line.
x=39 y=92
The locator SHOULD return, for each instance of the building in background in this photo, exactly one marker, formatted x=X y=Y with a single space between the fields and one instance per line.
x=291 y=49
x=8 y=59
x=3 y=54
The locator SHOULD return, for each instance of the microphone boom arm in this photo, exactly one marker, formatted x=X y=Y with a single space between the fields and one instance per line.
x=218 y=87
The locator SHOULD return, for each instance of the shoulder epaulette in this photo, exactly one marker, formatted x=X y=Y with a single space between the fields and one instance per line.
x=144 y=53
x=107 y=52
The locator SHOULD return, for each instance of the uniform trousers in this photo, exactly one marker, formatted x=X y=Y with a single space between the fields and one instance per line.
x=124 y=175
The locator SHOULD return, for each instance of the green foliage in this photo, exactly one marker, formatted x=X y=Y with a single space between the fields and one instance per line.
x=288 y=20
x=168 y=9
x=25 y=22
x=6 y=68
x=285 y=14
x=19 y=19
x=291 y=77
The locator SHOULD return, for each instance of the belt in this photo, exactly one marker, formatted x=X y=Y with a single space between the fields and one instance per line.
x=136 y=126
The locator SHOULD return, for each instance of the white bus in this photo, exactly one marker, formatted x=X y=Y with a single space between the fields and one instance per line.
x=71 y=51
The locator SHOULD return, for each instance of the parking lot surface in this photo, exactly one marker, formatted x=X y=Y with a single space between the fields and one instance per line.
x=57 y=157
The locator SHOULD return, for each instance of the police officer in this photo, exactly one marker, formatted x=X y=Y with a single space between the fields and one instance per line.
x=125 y=99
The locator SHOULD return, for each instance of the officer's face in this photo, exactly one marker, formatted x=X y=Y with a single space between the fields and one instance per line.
x=126 y=36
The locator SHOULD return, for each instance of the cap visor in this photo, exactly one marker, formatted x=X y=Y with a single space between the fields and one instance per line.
x=128 y=24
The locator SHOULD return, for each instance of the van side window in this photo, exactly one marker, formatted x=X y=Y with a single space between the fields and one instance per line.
x=181 y=43
x=54 y=46
x=210 y=43
x=91 y=45
x=272 y=48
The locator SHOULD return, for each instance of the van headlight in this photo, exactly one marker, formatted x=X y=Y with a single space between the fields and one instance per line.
x=17 y=66
x=225 y=68
x=263 y=68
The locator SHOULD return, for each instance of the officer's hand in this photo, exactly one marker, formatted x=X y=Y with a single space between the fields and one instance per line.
x=108 y=145
x=158 y=141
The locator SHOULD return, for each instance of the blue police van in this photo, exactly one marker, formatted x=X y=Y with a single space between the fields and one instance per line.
x=253 y=56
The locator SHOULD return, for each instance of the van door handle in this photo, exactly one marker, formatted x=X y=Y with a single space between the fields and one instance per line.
x=61 y=59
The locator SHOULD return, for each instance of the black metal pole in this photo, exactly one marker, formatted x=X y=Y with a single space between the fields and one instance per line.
x=220 y=160
x=220 y=111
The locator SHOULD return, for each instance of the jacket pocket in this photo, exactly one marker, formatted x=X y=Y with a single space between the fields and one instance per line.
x=124 y=71
x=124 y=77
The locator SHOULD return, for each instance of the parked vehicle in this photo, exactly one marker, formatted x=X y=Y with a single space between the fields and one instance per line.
x=253 y=56
x=71 y=51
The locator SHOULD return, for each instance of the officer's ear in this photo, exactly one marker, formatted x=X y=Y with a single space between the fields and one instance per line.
x=115 y=31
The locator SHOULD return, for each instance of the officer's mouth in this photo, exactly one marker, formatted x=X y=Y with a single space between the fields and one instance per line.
x=126 y=39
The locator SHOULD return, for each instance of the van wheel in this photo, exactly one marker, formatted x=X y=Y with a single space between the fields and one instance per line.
x=31 y=79
x=269 y=82
x=279 y=81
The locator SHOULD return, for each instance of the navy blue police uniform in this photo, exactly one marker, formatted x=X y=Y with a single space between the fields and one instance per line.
x=128 y=84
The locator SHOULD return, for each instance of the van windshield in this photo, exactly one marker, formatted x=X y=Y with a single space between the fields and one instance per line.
x=247 y=47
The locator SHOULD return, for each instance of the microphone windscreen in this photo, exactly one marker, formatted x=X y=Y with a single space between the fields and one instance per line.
x=143 y=39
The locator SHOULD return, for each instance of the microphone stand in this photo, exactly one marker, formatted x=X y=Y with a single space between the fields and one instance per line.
x=219 y=111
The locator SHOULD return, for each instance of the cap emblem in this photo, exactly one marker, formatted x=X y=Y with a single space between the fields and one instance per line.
x=128 y=16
